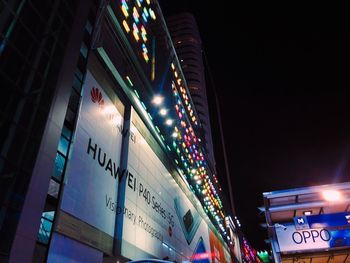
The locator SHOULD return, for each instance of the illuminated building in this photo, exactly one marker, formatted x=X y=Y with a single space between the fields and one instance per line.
x=310 y=224
x=188 y=45
x=101 y=159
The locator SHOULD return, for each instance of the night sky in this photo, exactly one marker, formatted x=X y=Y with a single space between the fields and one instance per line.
x=281 y=74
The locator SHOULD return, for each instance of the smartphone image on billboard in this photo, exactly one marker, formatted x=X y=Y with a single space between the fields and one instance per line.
x=189 y=219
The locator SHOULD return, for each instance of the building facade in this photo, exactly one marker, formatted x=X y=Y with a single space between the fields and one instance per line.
x=101 y=159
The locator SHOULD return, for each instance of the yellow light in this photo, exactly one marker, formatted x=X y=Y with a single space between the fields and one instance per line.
x=173 y=66
x=135 y=32
x=331 y=195
x=163 y=112
x=126 y=26
x=125 y=12
x=145 y=56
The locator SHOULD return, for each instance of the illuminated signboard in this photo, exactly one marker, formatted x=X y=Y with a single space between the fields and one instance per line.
x=323 y=221
x=91 y=183
x=292 y=239
x=159 y=219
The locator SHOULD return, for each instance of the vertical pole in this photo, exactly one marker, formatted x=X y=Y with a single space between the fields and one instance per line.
x=118 y=232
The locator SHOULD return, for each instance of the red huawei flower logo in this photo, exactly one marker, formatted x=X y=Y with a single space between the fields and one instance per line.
x=96 y=96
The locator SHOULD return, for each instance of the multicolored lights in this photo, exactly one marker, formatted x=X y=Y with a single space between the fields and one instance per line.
x=133 y=11
x=183 y=124
x=187 y=146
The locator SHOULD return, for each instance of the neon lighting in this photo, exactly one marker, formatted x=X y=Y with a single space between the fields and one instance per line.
x=145 y=12
x=126 y=26
x=153 y=74
x=129 y=80
x=135 y=32
x=125 y=8
x=144 y=17
x=143 y=33
x=145 y=57
x=152 y=14
x=136 y=15
x=138 y=3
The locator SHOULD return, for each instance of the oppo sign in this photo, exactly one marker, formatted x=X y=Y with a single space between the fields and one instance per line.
x=291 y=239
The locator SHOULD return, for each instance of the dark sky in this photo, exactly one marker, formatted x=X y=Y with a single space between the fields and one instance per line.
x=282 y=78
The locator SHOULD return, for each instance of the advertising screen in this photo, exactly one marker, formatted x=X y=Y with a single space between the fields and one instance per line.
x=159 y=219
x=91 y=183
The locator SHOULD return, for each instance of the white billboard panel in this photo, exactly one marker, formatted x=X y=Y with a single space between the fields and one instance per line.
x=91 y=183
x=291 y=239
x=159 y=219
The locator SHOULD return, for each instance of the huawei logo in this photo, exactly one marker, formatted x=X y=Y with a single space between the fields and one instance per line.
x=96 y=97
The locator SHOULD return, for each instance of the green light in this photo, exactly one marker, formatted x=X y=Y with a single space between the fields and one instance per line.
x=168 y=148
x=137 y=94
x=176 y=161
x=143 y=105
x=157 y=129
x=129 y=80
x=161 y=136
x=149 y=115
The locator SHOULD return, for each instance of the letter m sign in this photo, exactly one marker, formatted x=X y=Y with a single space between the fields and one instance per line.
x=300 y=222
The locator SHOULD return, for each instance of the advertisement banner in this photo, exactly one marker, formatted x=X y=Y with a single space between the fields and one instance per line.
x=292 y=239
x=323 y=221
x=91 y=181
x=159 y=219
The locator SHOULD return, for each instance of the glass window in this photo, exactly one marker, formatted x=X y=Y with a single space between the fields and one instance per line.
x=88 y=27
x=45 y=227
x=63 y=146
x=54 y=188
x=66 y=132
x=77 y=84
x=74 y=101
x=83 y=50
x=60 y=161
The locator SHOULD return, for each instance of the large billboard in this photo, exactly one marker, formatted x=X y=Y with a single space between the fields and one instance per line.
x=91 y=183
x=159 y=219
x=291 y=239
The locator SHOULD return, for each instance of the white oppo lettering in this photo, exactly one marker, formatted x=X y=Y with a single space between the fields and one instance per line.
x=311 y=236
